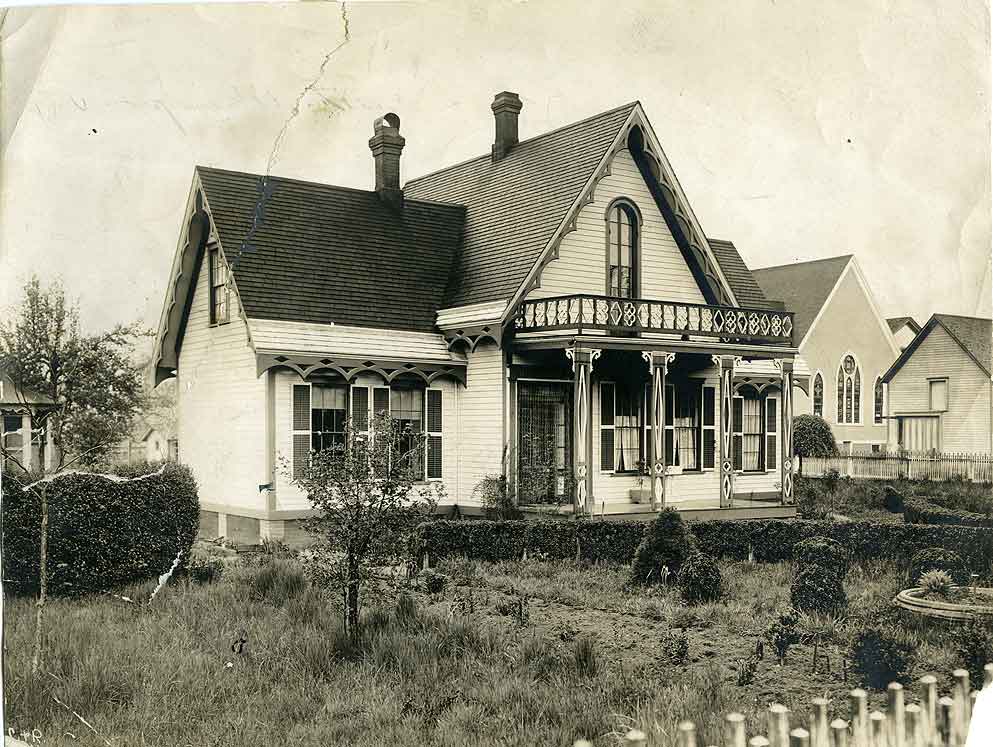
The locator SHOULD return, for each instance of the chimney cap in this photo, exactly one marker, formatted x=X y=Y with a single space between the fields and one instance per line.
x=387 y=121
x=506 y=101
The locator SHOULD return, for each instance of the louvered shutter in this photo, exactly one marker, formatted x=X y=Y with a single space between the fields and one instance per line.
x=771 y=428
x=434 y=433
x=360 y=409
x=606 y=427
x=301 y=428
x=380 y=407
x=737 y=425
x=709 y=427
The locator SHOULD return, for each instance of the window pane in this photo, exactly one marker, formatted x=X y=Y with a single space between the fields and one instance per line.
x=627 y=435
x=939 y=395
x=751 y=449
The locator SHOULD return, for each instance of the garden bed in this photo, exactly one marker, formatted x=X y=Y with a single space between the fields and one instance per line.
x=972 y=603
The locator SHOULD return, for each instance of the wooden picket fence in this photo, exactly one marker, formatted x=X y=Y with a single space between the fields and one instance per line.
x=904 y=464
x=934 y=722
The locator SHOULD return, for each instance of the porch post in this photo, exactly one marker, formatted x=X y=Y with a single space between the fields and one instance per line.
x=582 y=429
x=659 y=366
x=786 y=367
x=725 y=368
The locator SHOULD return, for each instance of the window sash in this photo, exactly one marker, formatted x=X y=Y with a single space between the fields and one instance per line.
x=218 y=285
x=683 y=425
x=938 y=395
x=755 y=433
x=819 y=395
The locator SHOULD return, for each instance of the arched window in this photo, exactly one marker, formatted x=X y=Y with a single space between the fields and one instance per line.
x=877 y=401
x=819 y=395
x=849 y=391
x=622 y=252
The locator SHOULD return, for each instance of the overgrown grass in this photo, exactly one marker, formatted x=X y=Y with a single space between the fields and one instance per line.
x=588 y=663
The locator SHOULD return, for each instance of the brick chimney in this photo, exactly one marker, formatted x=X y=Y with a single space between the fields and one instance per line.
x=386 y=146
x=506 y=106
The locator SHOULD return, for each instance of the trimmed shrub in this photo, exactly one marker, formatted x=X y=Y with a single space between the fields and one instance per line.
x=921 y=511
x=937 y=559
x=101 y=534
x=880 y=657
x=783 y=632
x=892 y=499
x=675 y=646
x=609 y=541
x=812 y=437
x=974 y=647
x=817 y=588
x=667 y=543
x=699 y=579
x=822 y=551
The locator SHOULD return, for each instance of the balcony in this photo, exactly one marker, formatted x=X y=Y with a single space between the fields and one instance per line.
x=614 y=315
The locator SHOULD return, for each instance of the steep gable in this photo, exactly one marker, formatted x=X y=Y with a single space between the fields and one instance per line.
x=973 y=335
x=803 y=287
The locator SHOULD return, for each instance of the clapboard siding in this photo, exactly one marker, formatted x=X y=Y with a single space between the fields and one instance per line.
x=481 y=410
x=288 y=496
x=221 y=405
x=966 y=425
x=581 y=265
x=328 y=339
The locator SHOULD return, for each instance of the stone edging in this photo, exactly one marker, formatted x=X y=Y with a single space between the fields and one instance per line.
x=909 y=599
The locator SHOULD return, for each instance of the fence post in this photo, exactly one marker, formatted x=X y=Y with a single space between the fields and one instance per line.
x=858 y=700
x=961 y=696
x=819 y=723
x=988 y=675
x=913 y=731
x=799 y=738
x=930 y=684
x=946 y=720
x=779 y=725
x=895 y=710
x=877 y=728
x=734 y=724
x=839 y=733
x=636 y=738
x=687 y=734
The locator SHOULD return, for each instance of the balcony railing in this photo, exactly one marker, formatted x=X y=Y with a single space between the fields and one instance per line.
x=582 y=312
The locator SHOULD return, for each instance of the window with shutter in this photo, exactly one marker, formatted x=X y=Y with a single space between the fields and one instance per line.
x=434 y=433
x=737 y=422
x=606 y=427
x=380 y=408
x=360 y=409
x=709 y=427
x=301 y=428
x=771 y=432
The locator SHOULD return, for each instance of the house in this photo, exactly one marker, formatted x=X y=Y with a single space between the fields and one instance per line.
x=940 y=388
x=904 y=329
x=22 y=432
x=145 y=443
x=551 y=310
x=845 y=342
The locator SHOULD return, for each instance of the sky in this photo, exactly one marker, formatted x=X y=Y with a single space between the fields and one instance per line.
x=797 y=130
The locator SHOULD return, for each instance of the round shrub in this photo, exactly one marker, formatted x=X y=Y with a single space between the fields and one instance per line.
x=880 y=657
x=699 y=579
x=822 y=551
x=812 y=437
x=892 y=500
x=974 y=647
x=817 y=588
x=434 y=582
x=937 y=559
x=666 y=544
x=936 y=584
x=102 y=534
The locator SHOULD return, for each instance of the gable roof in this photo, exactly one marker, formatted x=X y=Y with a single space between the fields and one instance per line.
x=803 y=287
x=330 y=254
x=898 y=322
x=973 y=334
x=741 y=279
x=514 y=205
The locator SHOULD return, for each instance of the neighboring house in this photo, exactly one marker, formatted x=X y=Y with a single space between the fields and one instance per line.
x=940 y=388
x=551 y=308
x=904 y=329
x=21 y=428
x=844 y=340
x=145 y=443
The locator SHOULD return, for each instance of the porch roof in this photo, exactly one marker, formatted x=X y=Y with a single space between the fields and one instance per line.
x=658 y=344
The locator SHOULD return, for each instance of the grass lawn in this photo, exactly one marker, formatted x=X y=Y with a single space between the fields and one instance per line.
x=587 y=662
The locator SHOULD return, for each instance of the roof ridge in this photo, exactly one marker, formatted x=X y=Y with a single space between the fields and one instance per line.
x=308 y=183
x=629 y=105
x=964 y=316
x=807 y=262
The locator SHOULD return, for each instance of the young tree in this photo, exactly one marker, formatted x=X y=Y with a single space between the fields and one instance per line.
x=368 y=504
x=92 y=380
x=812 y=437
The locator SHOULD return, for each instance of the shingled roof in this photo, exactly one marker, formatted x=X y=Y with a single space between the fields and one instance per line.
x=897 y=322
x=332 y=254
x=514 y=205
x=803 y=287
x=973 y=334
x=741 y=279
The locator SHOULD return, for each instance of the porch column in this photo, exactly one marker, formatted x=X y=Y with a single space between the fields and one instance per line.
x=582 y=428
x=786 y=367
x=658 y=362
x=725 y=368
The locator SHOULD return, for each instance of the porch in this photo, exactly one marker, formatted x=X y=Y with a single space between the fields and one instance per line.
x=620 y=407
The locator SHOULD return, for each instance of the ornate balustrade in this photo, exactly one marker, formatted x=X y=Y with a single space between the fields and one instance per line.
x=583 y=312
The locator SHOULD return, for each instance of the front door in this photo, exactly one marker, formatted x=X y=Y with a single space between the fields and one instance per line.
x=544 y=442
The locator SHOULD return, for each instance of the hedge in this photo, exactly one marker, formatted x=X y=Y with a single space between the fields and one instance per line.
x=921 y=511
x=101 y=534
x=769 y=540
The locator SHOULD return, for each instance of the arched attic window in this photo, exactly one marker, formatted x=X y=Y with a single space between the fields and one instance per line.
x=622 y=249
x=849 y=391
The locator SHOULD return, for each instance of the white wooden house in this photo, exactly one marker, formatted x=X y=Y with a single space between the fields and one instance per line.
x=22 y=428
x=551 y=310
x=940 y=396
x=844 y=340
